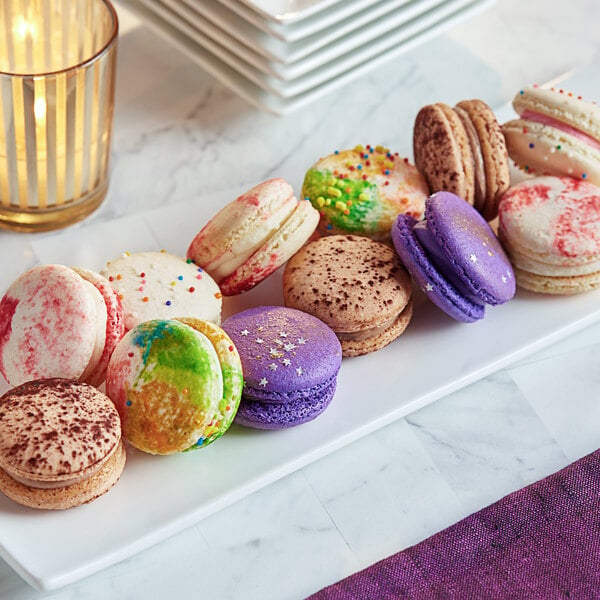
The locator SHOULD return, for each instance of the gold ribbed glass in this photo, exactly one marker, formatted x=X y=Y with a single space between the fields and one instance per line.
x=57 y=80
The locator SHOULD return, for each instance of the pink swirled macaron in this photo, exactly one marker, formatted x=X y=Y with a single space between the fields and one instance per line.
x=58 y=322
x=252 y=236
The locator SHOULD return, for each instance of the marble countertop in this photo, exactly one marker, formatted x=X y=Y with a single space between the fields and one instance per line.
x=178 y=134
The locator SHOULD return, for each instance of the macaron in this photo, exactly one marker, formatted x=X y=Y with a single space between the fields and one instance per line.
x=362 y=190
x=56 y=321
x=176 y=385
x=252 y=236
x=60 y=444
x=462 y=150
x=159 y=285
x=290 y=361
x=557 y=133
x=455 y=258
x=354 y=284
x=550 y=228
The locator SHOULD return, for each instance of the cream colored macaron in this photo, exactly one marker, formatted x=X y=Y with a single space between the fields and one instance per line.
x=251 y=237
x=557 y=133
x=159 y=285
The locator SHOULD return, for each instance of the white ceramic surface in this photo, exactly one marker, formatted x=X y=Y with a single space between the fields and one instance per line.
x=285 y=51
x=282 y=97
x=289 y=11
x=298 y=30
x=181 y=136
x=289 y=61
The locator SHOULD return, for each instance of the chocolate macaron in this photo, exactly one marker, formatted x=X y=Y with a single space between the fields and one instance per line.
x=60 y=444
x=290 y=361
x=462 y=150
x=355 y=285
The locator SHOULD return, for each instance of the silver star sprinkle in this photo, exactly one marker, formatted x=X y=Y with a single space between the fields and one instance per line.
x=301 y=341
x=504 y=279
x=287 y=362
x=428 y=288
x=299 y=370
x=245 y=332
x=282 y=334
x=275 y=353
x=273 y=367
x=263 y=382
x=259 y=341
x=473 y=258
x=288 y=347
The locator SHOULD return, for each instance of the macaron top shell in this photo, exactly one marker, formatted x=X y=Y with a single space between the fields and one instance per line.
x=159 y=285
x=469 y=244
x=166 y=382
x=56 y=431
x=442 y=151
x=563 y=107
x=363 y=190
x=283 y=350
x=52 y=324
x=557 y=218
x=350 y=282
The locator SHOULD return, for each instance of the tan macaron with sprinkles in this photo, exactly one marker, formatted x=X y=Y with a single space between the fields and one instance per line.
x=159 y=285
x=362 y=191
x=60 y=444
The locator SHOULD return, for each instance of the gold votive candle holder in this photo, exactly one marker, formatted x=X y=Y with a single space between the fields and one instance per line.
x=57 y=87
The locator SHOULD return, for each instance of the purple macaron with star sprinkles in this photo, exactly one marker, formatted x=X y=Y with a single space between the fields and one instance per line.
x=454 y=257
x=290 y=361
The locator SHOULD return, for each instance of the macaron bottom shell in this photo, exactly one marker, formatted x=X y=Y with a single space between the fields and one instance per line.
x=60 y=498
x=562 y=286
x=269 y=415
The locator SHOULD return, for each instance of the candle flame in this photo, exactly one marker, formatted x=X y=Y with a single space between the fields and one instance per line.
x=39 y=108
x=23 y=28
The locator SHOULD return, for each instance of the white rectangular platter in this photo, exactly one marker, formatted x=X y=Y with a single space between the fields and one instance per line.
x=159 y=496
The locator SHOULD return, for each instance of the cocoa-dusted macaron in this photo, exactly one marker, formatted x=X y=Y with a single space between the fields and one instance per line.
x=462 y=150
x=60 y=444
x=355 y=285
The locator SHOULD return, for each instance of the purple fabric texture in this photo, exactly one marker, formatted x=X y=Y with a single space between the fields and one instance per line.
x=542 y=541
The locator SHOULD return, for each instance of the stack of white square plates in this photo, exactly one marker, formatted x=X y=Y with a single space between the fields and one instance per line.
x=282 y=54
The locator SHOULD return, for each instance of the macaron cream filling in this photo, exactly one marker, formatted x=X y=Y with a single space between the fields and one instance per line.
x=530 y=115
x=365 y=334
x=62 y=481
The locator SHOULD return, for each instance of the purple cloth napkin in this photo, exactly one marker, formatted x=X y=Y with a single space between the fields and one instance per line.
x=542 y=541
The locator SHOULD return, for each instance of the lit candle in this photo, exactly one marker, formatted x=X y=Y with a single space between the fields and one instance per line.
x=56 y=104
